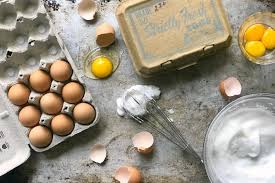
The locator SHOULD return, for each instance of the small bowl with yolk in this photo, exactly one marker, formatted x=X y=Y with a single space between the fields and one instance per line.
x=101 y=63
x=257 y=38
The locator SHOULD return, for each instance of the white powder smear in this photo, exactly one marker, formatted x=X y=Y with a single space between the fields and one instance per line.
x=131 y=105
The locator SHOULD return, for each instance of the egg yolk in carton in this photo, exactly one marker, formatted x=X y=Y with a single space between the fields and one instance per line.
x=49 y=115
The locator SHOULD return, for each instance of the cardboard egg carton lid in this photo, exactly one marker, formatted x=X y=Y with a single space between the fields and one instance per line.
x=28 y=42
x=164 y=35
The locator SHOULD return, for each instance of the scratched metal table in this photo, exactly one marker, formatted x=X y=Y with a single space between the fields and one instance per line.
x=192 y=93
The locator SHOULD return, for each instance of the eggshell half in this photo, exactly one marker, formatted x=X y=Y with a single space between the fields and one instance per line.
x=230 y=87
x=105 y=35
x=98 y=153
x=87 y=9
x=143 y=142
x=128 y=174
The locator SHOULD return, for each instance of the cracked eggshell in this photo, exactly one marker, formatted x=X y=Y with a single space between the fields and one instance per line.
x=230 y=87
x=87 y=9
x=143 y=142
x=98 y=153
x=105 y=35
x=128 y=174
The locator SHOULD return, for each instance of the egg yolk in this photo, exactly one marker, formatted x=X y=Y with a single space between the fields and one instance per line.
x=255 y=48
x=254 y=32
x=102 y=67
x=269 y=38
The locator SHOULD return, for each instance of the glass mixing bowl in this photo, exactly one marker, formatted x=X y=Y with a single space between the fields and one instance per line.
x=258 y=101
x=266 y=18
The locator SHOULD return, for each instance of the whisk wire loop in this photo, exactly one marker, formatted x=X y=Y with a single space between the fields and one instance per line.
x=155 y=119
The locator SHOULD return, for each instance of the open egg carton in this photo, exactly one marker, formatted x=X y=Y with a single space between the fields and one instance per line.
x=28 y=43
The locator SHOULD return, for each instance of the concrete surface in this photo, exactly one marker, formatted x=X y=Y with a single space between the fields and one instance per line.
x=193 y=95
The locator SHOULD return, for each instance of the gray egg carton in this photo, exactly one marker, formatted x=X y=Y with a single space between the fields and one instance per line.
x=28 y=42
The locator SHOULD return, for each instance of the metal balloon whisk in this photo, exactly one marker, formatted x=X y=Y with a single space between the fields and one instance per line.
x=155 y=119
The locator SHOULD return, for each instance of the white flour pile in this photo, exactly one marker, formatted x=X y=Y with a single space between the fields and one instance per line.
x=138 y=92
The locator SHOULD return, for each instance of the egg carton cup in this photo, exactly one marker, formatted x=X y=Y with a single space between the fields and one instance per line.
x=34 y=98
x=29 y=42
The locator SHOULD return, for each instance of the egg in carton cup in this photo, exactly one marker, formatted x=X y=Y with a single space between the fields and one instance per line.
x=28 y=43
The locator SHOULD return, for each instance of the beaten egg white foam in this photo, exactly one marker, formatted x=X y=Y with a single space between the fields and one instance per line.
x=243 y=149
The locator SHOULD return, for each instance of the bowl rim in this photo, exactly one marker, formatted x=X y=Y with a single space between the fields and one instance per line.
x=209 y=171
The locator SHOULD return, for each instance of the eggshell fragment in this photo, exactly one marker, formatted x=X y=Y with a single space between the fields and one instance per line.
x=230 y=87
x=19 y=94
x=98 y=153
x=143 y=142
x=87 y=9
x=51 y=103
x=105 y=35
x=128 y=174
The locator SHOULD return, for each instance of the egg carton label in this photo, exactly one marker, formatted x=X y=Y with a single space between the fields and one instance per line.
x=155 y=22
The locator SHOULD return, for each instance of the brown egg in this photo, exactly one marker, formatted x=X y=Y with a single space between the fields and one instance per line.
x=29 y=116
x=19 y=94
x=105 y=35
x=61 y=70
x=40 y=81
x=62 y=125
x=51 y=103
x=73 y=92
x=40 y=136
x=84 y=113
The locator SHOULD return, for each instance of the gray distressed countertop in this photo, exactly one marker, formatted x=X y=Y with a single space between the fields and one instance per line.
x=192 y=93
